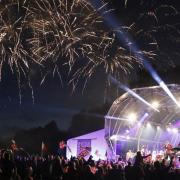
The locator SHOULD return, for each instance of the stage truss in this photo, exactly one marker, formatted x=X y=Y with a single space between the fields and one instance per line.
x=149 y=127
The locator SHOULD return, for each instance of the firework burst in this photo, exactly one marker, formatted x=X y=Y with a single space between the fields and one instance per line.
x=158 y=31
x=75 y=32
x=52 y=34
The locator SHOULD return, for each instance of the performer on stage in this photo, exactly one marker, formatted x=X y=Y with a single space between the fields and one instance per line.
x=144 y=150
x=168 y=149
x=129 y=156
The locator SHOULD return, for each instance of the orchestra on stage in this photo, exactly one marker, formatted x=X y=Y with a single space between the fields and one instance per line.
x=166 y=152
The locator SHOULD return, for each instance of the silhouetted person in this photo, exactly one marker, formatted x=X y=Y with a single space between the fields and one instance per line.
x=138 y=168
x=7 y=167
x=128 y=171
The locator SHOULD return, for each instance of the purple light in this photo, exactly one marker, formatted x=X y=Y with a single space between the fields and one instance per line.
x=127 y=131
x=139 y=123
x=177 y=124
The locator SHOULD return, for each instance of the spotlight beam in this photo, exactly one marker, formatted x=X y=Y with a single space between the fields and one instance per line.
x=120 y=85
x=116 y=118
x=124 y=37
x=143 y=118
x=166 y=89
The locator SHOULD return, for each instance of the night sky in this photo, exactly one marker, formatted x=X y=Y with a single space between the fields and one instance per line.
x=54 y=101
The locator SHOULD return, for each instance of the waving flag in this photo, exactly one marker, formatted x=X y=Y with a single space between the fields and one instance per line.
x=43 y=148
x=62 y=145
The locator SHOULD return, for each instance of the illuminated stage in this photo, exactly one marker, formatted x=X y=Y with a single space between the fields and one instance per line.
x=130 y=123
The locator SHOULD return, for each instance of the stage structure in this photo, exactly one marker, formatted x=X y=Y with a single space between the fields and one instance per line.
x=131 y=124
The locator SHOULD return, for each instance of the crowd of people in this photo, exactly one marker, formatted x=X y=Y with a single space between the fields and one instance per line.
x=49 y=167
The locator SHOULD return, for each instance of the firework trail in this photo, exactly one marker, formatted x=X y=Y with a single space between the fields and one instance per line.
x=53 y=34
x=158 y=31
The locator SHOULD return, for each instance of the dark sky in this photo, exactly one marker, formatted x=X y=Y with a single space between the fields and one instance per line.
x=54 y=102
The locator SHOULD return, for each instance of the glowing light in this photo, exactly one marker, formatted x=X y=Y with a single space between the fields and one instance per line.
x=114 y=137
x=155 y=104
x=168 y=129
x=120 y=85
x=148 y=124
x=132 y=117
x=127 y=131
x=166 y=89
x=158 y=127
x=115 y=118
x=139 y=123
x=127 y=137
x=143 y=118
x=175 y=130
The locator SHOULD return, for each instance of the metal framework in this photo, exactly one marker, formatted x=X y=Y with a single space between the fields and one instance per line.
x=118 y=128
